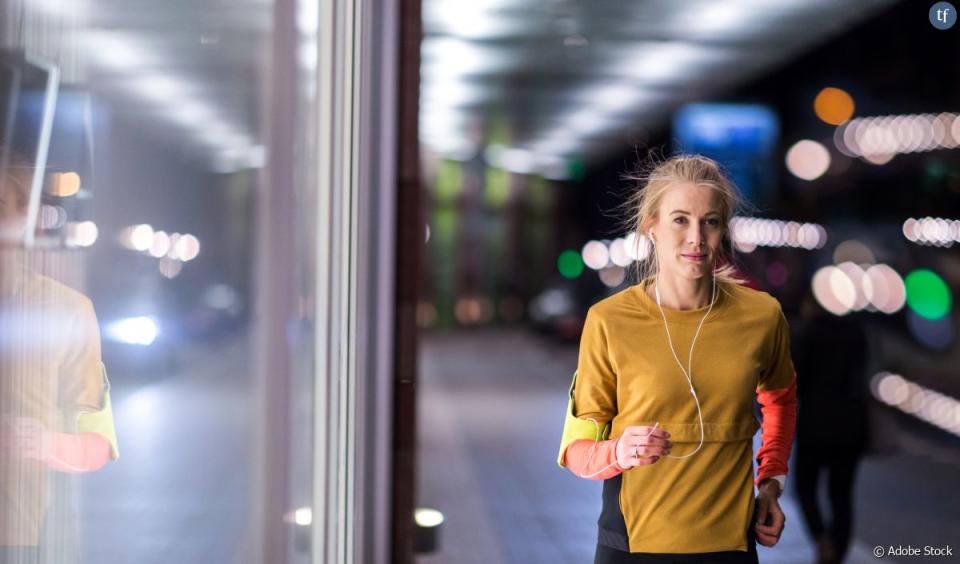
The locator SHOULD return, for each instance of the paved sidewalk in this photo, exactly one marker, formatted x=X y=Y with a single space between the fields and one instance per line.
x=491 y=407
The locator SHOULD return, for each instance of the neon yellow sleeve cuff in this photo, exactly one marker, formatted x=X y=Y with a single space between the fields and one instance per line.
x=101 y=422
x=575 y=429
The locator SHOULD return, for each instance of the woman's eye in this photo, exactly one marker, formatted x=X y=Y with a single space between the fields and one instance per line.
x=680 y=220
x=713 y=222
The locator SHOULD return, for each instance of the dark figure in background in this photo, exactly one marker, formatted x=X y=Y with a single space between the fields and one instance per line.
x=831 y=356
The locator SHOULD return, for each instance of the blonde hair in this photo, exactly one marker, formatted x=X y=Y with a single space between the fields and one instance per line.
x=643 y=204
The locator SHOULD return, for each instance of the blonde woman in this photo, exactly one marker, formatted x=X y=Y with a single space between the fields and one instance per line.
x=661 y=407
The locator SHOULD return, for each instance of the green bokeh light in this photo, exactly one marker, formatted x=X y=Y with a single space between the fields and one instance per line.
x=570 y=264
x=927 y=294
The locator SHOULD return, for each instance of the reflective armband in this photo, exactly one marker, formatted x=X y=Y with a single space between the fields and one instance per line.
x=575 y=429
x=101 y=421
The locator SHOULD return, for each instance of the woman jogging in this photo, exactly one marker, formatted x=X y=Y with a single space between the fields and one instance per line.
x=661 y=407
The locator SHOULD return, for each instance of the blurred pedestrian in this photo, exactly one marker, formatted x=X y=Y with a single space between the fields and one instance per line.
x=832 y=430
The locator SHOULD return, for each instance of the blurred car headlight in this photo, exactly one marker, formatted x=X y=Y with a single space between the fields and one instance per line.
x=133 y=331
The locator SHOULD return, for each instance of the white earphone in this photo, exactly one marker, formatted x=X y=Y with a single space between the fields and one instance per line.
x=686 y=372
x=689 y=370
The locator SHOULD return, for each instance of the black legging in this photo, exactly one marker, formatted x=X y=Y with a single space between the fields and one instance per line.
x=841 y=466
x=607 y=555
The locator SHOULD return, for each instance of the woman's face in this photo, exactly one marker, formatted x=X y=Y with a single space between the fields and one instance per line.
x=688 y=230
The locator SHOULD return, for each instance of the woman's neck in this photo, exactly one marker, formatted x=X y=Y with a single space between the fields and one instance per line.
x=682 y=293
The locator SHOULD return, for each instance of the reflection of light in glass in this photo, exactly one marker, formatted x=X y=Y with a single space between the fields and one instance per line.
x=613 y=276
x=133 y=330
x=64 y=184
x=221 y=296
x=169 y=268
x=934 y=334
x=52 y=217
x=82 y=234
x=808 y=160
x=426 y=517
x=304 y=515
x=187 y=247
x=138 y=237
x=927 y=294
x=595 y=255
x=160 y=245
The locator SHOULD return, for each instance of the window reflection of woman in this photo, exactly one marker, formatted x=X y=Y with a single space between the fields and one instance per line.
x=54 y=397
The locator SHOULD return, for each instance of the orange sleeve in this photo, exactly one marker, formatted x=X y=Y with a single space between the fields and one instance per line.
x=84 y=452
x=779 y=409
x=591 y=463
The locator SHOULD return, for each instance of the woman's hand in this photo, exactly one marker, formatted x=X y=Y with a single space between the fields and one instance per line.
x=768 y=511
x=638 y=447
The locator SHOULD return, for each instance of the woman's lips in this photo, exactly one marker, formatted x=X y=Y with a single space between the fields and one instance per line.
x=694 y=257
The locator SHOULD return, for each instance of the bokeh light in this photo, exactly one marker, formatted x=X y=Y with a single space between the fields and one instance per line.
x=637 y=246
x=82 y=234
x=808 y=160
x=63 y=184
x=596 y=255
x=927 y=294
x=854 y=251
x=862 y=287
x=878 y=139
x=934 y=231
x=888 y=292
x=137 y=237
x=833 y=106
x=618 y=252
x=932 y=406
x=570 y=264
x=749 y=233
x=834 y=290
x=935 y=334
x=160 y=245
x=613 y=276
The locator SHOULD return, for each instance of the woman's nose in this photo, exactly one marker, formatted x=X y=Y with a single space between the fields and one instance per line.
x=696 y=236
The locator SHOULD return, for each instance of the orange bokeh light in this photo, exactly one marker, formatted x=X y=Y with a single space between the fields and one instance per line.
x=833 y=106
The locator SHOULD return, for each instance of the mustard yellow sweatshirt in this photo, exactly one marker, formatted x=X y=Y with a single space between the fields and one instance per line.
x=627 y=375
